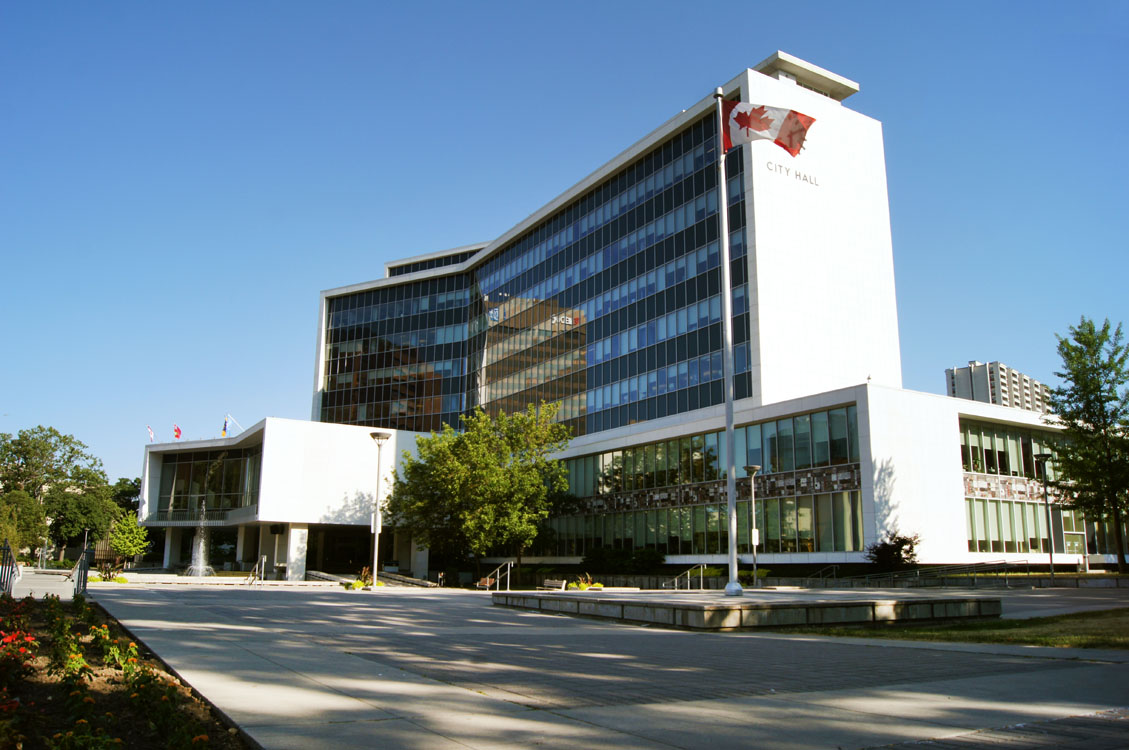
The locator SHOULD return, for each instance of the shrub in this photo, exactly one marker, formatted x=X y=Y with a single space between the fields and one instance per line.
x=896 y=552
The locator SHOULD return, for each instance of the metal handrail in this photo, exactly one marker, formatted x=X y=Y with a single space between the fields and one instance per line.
x=258 y=572
x=9 y=568
x=941 y=571
x=81 y=570
x=700 y=567
x=496 y=575
x=833 y=570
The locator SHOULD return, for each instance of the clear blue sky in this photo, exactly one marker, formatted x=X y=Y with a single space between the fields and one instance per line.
x=179 y=181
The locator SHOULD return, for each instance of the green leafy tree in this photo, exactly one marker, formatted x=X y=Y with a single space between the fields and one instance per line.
x=127 y=538
x=486 y=487
x=127 y=493
x=29 y=519
x=1092 y=405
x=40 y=458
x=85 y=502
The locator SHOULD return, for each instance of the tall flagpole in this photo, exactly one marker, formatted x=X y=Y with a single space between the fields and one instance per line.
x=733 y=588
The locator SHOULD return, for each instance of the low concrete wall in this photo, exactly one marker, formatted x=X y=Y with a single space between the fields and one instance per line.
x=700 y=616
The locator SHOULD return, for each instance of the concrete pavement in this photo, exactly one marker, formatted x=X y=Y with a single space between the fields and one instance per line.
x=401 y=668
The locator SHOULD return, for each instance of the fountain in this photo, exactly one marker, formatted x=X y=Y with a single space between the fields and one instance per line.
x=199 y=566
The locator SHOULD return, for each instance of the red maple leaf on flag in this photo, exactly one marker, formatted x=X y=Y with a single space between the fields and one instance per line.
x=754 y=119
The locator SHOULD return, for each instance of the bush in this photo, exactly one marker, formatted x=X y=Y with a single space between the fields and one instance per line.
x=896 y=552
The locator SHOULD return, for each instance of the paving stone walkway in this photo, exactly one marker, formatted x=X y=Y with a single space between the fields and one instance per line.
x=424 y=669
x=1106 y=730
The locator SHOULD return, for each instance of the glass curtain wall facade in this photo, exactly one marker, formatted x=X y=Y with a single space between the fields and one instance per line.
x=215 y=481
x=670 y=495
x=611 y=306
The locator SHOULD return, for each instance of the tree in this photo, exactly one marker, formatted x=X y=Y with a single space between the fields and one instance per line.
x=127 y=493
x=27 y=514
x=486 y=487
x=1092 y=406
x=83 y=503
x=37 y=459
x=127 y=538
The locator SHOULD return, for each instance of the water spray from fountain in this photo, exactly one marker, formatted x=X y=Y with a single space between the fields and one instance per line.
x=199 y=566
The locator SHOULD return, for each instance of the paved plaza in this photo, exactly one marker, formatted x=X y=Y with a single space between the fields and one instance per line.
x=404 y=668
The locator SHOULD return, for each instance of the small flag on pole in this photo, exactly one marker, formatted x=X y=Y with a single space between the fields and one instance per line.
x=223 y=433
x=152 y=437
x=745 y=123
x=176 y=431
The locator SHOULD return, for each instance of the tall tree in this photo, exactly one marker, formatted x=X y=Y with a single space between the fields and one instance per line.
x=84 y=502
x=1093 y=406
x=29 y=519
x=42 y=457
x=127 y=493
x=486 y=487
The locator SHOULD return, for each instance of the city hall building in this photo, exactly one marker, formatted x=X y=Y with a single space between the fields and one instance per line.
x=608 y=300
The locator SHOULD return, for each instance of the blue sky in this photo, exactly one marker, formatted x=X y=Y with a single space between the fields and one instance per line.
x=178 y=182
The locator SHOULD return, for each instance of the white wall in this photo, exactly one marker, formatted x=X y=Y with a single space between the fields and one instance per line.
x=821 y=269
x=315 y=472
x=917 y=480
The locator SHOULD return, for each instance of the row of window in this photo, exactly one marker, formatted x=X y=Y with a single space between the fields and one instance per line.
x=686 y=374
x=644 y=185
x=343 y=317
x=687 y=215
x=409 y=339
x=1006 y=526
x=803 y=441
x=829 y=522
x=409 y=373
x=214 y=480
x=987 y=448
x=425 y=265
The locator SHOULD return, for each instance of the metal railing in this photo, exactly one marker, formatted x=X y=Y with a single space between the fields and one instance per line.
x=9 y=568
x=494 y=577
x=700 y=567
x=217 y=517
x=949 y=571
x=258 y=573
x=81 y=571
x=827 y=571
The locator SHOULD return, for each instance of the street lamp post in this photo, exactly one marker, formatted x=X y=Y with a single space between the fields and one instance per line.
x=379 y=438
x=754 y=532
x=1041 y=459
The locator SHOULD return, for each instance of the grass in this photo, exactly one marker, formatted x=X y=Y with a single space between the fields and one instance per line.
x=1104 y=629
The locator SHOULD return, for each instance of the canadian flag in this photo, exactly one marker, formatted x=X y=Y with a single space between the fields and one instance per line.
x=745 y=122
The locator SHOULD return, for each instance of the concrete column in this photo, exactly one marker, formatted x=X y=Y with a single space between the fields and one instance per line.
x=296 y=546
x=240 y=536
x=172 y=547
x=419 y=561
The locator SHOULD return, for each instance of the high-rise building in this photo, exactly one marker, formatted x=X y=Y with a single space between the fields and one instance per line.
x=608 y=299
x=996 y=383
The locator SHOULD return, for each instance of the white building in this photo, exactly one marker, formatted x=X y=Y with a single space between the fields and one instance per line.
x=608 y=299
x=298 y=493
x=996 y=383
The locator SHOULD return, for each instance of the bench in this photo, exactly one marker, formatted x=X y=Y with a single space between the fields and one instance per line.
x=552 y=584
x=484 y=583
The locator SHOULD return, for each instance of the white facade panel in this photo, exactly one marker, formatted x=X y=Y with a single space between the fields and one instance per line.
x=821 y=258
x=316 y=472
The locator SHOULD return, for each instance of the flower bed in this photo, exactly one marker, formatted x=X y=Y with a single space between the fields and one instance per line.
x=71 y=678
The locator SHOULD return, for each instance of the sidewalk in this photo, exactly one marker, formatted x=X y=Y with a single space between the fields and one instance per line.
x=396 y=668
